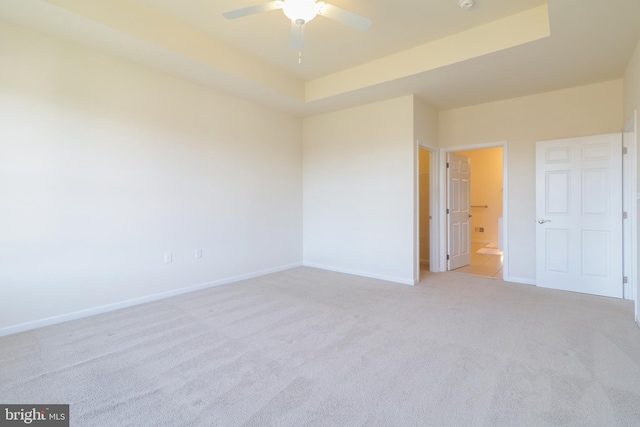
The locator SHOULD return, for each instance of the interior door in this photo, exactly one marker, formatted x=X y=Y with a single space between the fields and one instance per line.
x=579 y=214
x=458 y=211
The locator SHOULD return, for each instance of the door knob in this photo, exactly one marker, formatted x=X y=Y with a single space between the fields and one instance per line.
x=542 y=221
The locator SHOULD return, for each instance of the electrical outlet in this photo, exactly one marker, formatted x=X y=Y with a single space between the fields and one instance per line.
x=198 y=253
x=168 y=257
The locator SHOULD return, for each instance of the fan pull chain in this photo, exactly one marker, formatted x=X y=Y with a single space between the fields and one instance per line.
x=300 y=56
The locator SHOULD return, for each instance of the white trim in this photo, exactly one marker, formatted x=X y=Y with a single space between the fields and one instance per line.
x=416 y=212
x=442 y=221
x=633 y=277
x=10 y=330
x=519 y=280
x=434 y=209
x=630 y=229
x=505 y=209
x=361 y=274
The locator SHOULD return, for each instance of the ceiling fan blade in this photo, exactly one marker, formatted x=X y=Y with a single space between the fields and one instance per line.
x=252 y=10
x=297 y=36
x=343 y=16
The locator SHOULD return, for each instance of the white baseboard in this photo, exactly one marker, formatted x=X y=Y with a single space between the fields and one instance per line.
x=362 y=274
x=519 y=280
x=10 y=330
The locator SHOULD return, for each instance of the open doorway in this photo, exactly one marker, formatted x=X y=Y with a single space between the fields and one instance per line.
x=427 y=239
x=475 y=245
x=424 y=228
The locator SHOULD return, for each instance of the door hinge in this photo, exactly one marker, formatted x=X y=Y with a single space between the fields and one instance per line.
x=624 y=150
x=624 y=215
x=625 y=279
x=447 y=165
x=447 y=257
x=447 y=211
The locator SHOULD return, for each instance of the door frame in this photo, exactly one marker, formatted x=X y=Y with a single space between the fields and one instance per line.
x=434 y=237
x=442 y=220
x=630 y=197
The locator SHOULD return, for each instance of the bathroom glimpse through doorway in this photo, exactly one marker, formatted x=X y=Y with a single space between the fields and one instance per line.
x=425 y=218
x=484 y=233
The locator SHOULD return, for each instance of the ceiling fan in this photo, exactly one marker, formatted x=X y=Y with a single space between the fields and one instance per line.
x=302 y=11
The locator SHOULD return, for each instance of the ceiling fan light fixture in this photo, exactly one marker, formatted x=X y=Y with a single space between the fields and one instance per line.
x=300 y=11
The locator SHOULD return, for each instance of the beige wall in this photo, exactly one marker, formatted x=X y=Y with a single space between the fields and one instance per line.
x=632 y=87
x=586 y=110
x=486 y=189
x=632 y=91
x=359 y=199
x=425 y=124
x=106 y=165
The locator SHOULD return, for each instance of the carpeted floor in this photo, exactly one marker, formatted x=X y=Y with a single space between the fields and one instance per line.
x=308 y=347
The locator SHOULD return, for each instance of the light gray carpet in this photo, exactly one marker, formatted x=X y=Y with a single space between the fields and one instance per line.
x=310 y=347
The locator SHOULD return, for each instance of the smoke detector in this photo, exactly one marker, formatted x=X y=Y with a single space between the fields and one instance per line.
x=465 y=4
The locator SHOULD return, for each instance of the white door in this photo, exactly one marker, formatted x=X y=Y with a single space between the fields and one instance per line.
x=579 y=214
x=458 y=211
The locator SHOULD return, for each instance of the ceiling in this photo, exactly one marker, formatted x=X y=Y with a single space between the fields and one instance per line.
x=449 y=57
